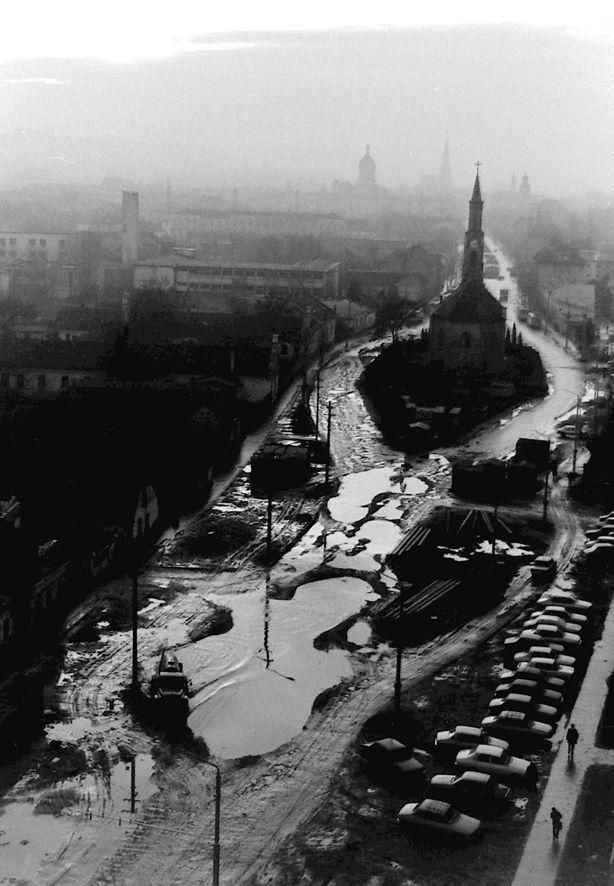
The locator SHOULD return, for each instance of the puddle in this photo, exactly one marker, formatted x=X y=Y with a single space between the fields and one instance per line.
x=264 y=675
x=413 y=486
x=71 y=731
x=34 y=845
x=356 y=492
x=359 y=633
x=376 y=538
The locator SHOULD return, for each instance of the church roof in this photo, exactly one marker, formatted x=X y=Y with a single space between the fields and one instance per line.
x=471 y=302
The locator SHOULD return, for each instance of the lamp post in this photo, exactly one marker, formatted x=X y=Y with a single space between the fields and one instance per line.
x=216 y=830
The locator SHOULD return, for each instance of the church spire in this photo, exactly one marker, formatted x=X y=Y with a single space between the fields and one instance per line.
x=445 y=177
x=473 y=257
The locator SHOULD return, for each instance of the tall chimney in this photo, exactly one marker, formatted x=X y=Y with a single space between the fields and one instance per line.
x=130 y=227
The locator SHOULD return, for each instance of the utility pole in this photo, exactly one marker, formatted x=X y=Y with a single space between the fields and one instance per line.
x=135 y=615
x=567 y=326
x=397 y=679
x=575 y=437
x=545 y=513
x=329 y=407
x=269 y=524
x=318 y=401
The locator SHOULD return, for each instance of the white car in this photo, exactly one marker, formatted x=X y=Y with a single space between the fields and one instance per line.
x=518 y=701
x=524 y=640
x=524 y=672
x=543 y=652
x=436 y=815
x=563 y=612
x=538 y=692
x=496 y=761
x=552 y=633
x=552 y=618
x=516 y=724
x=559 y=597
x=598 y=547
x=462 y=737
x=550 y=666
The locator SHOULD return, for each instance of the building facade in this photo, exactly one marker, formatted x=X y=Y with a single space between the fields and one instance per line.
x=192 y=226
x=182 y=274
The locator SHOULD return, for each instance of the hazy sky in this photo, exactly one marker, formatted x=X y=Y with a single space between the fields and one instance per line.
x=152 y=89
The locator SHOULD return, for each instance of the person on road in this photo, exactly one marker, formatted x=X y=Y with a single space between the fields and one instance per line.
x=572 y=740
x=557 y=823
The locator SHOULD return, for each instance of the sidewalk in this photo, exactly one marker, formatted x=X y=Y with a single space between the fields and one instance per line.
x=540 y=859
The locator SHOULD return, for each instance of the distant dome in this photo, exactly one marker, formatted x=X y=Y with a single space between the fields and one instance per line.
x=366 y=170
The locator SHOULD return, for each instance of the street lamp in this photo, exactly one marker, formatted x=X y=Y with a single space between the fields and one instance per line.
x=218 y=803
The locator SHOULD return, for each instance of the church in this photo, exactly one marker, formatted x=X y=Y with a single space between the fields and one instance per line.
x=467 y=330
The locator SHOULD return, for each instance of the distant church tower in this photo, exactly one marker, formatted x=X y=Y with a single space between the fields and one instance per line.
x=467 y=330
x=366 y=172
x=445 y=178
x=525 y=188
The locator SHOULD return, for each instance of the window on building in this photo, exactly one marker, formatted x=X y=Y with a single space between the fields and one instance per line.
x=2 y=241
x=42 y=242
x=466 y=341
x=31 y=242
x=61 y=242
x=13 y=253
x=12 y=241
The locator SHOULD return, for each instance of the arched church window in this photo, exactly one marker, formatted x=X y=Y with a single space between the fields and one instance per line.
x=466 y=341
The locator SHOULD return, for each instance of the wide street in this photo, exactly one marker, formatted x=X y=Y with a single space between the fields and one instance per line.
x=285 y=763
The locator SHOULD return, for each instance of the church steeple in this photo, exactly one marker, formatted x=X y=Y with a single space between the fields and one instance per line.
x=445 y=177
x=473 y=257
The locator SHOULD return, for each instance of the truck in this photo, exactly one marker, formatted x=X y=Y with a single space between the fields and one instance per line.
x=503 y=296
x=534 y=321
x=169 y=688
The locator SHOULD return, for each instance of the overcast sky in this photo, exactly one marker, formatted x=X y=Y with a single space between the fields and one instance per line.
x=204 y=95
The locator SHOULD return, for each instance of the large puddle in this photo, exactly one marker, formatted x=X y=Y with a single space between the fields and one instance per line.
x=41 y=831
x=264 y=675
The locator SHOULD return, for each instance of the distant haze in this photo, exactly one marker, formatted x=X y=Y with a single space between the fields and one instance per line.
x=300 y=107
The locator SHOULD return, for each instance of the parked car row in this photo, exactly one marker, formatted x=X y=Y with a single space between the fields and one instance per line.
x=527 y=704
x=600 y=536
x=523 y=712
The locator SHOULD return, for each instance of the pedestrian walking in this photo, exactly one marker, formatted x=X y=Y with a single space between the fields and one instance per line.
x=572 y=740
x=557 y=823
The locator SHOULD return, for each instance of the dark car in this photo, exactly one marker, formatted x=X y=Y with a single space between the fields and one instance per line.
x=518 y=728
x=391 y=759
x=475 y=793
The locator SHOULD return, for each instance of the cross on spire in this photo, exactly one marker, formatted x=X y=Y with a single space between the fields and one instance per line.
x=477 y=166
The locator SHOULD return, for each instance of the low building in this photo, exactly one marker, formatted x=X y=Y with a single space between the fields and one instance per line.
x=179 y=273
x=192 y=226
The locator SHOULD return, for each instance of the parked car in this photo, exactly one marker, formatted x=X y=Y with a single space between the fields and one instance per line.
x=390 y=758
x=562 y=612
x=462 y=737
x=568 y=599
x=497 y=762
x=436 y=815
x=517 y=701
x=554 y=634
x=545 y=679
x=550 y=666
x=598 y=547
x=544 y=652
x=516 y=725
x=523 y=641
x=543 y=569
x=475 y=793
x=530 y=687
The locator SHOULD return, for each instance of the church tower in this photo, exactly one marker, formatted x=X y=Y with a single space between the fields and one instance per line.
x=473 y=256
x=467 y=329
x=445 y=177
